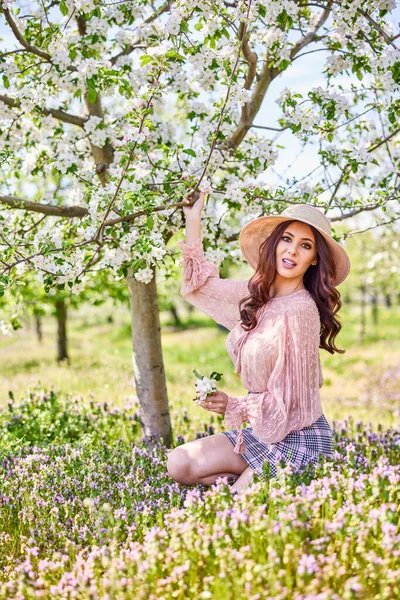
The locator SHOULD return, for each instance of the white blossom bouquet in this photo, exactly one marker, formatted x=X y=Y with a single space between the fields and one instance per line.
x=205 y=385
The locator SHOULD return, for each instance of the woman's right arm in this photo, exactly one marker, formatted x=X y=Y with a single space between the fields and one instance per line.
x=202 y=286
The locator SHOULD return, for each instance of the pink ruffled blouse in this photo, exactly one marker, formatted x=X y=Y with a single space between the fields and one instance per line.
x=278 y=361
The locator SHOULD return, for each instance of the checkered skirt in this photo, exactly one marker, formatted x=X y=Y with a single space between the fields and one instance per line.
x=298 y=447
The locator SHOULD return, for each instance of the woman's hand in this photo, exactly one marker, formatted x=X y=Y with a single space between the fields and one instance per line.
x=215 y=402
x=195 y=210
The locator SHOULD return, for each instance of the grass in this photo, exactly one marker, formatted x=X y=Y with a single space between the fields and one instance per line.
x=88 y=511
x=100 y=365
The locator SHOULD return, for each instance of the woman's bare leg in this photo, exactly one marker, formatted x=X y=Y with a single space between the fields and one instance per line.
x=244 y=480
x=210 y=479
x=204 y=460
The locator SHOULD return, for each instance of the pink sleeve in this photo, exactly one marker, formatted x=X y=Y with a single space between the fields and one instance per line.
x=292 y=400
x=321 y=377
x=202 y=286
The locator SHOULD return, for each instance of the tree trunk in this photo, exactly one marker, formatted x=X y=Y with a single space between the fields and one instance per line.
x=388 y=300
x=363 y=303
x=347 y=298
x=148 y=364
x=374 y=302
x=61 y=315
x=175 y=315
x=38 y=327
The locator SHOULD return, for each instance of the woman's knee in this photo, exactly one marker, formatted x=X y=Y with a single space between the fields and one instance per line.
x=179 y=466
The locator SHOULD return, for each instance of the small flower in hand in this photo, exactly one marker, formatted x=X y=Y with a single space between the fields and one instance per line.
x=208 y=397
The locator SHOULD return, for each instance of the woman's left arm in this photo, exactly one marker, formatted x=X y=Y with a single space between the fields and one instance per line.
x=292 y=399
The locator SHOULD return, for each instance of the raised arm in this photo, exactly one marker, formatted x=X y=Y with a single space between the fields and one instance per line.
x=292 y=399
x=202 y=286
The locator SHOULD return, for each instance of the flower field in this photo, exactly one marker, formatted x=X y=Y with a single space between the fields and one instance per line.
x=87 y=511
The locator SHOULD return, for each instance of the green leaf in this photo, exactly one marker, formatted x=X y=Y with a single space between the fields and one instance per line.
x=150 y=222
x=190 y=152
x=174 y=55
x=6 y=81
x=91 y=95
x=216 y=376
x=63 y=8
x=396 y=72
x=145 y=59
x=198 y=374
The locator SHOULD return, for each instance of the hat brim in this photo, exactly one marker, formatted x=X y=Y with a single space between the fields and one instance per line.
x=257 y=231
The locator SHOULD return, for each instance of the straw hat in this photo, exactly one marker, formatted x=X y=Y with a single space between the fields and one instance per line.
x=257 y=231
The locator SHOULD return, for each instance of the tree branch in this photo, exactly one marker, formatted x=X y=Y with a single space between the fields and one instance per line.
x=129 y=49
x=21 y=38
x=392 y=220
x=376 y=26
x=386 y=139
x=355 y=212
x=250 y=56
x=54 y=112
x=267 y=75
x=103 y=156
x=270 y=128
x=347 y=167
x=312 y=34
x=45 y=209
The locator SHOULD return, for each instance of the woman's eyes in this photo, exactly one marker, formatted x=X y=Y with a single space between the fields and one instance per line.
x=285 y=237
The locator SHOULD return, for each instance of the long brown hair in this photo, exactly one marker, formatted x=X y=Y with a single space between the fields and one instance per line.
x=317 y=280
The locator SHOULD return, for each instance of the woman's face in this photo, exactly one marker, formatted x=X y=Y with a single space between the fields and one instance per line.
x=296 y=250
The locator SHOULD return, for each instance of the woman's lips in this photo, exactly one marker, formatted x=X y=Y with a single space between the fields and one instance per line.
x=288 y=265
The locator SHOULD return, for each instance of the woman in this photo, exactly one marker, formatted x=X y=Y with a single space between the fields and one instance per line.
x=278 y=320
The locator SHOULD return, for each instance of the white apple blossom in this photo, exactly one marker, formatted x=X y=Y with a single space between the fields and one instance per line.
x=168 y=92
x=205 y=385
x=172 y=25
x=144 y=275
x=5 y=328
x=336 y=64
x=215 y=256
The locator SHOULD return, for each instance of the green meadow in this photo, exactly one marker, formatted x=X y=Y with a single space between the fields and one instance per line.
x=363 y=382
x=88 y=511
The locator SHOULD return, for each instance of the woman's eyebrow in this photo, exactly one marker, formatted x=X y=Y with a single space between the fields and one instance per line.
x=308 y=239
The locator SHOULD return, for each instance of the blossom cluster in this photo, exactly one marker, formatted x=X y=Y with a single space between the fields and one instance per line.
x=115 y=121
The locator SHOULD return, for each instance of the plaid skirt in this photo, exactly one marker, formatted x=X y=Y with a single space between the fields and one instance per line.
x=298 y=447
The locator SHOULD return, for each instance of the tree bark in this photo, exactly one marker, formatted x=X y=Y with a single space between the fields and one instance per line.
x=363 y=290
x=38 y=327
x=62 y=345
x=148 y=364
x=175 y=315
x=374 y=302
